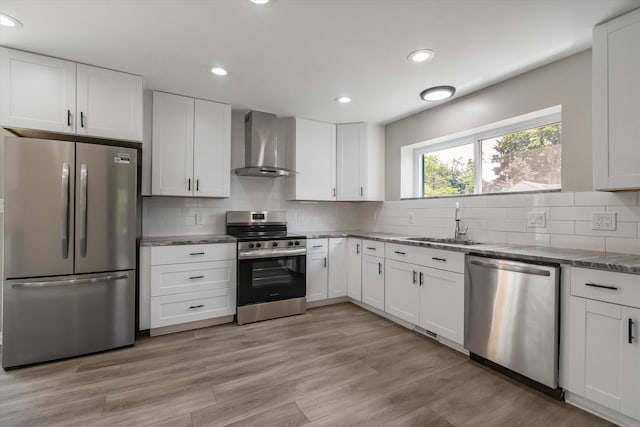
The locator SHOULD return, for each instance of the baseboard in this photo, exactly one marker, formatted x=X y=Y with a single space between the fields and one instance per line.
x=329 y=301
x=599 y=410
x=190 y=325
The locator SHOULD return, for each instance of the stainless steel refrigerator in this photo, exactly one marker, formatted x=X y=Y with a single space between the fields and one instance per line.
x=69 y=249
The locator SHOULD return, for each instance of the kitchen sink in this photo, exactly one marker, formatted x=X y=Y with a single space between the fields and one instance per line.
x=448 y=240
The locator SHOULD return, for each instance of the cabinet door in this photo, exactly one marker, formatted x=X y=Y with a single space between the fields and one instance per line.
x=315 y=154
x=337 y=267
x=317 y=276
x=38 y=92
x=401 y=293
x=212 y=149
x=616 y=103
x=172 y=150
x=606 y=366
x=109 y=103
x=354 y=269
x=351 y=143
x=442 y=303
x=373 y=281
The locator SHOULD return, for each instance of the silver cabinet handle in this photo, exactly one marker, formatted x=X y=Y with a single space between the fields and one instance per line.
x=65 y=210
x=196 y=277
x=415 y=279
x=83 y=281
x=513 y=268
x=84 y=177
x=595 y=285
x=196 y=306
x=196 y=253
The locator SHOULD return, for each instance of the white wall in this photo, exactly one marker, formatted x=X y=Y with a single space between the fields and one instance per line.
x=168 y=216
x=566 y=82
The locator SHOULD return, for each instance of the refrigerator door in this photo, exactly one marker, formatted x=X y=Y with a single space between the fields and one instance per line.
x=52 y=318
x=38 y=193
x=105 y=208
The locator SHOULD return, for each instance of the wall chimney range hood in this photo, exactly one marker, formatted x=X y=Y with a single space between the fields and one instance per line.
x=262 y=157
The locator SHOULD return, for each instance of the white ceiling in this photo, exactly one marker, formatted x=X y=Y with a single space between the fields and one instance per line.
x=293 y=57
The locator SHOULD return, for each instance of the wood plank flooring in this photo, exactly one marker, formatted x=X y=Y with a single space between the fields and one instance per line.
x=334 y=366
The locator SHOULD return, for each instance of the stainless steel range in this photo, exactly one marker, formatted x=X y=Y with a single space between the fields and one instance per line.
x=271 y=266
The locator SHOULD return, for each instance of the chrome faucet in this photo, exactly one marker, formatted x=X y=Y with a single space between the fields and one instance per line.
x=459 y=233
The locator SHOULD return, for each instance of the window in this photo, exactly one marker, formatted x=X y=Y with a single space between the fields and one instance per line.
x=525 y=156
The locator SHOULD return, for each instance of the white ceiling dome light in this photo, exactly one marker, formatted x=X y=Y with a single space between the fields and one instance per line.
x=421 y=55
x=260 y=1
x=343 y=99
x=437 y=93
x=219 y=71
x=9 y=21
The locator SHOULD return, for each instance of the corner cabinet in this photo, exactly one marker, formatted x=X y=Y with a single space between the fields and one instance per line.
x=604 y=343
x=191 y=147
x=616 y=103
x=54 y=95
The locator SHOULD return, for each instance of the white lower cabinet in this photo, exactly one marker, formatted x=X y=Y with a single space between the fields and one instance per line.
x=317 y=269
x=337 y=267
x=605 y=342
x=354 y=268
x=402 y=290
x=442 y=304
x=186 y=283
x=373 y=281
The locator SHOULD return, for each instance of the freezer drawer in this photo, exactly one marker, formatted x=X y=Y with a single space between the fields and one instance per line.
x=53 y=318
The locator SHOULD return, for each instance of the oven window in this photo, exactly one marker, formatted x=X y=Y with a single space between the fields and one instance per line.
x=270 y=272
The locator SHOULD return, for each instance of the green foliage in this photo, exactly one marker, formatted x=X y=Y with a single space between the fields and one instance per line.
x=441 y=179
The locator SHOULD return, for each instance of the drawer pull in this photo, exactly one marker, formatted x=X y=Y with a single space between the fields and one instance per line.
x=196 y=306
x=630 y=331
x=196 y=253
x=196 y=277
x=400 y=252
x=316 y=246
x=595 y=285
x=415 y=274
x=371 y=248
x=421 y=278
x=435 y=258
x=379 y=268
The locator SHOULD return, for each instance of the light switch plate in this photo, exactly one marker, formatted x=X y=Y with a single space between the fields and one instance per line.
x=603 y=221
x=537 y=219
x=411 y=217
x=199 y=219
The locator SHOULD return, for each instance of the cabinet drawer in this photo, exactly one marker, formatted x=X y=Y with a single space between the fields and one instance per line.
x=315 y=246
x=608 y=286
x=181 y=308
x=372 y=247
x=429 y=257
x=178 y=254
x=192 y=277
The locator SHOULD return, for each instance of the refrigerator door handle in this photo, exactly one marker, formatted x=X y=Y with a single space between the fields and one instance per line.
x=65 y=210
x=68 y=282
x=83 y=210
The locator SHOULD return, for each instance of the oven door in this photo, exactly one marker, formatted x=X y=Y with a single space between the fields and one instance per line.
x=271 y=279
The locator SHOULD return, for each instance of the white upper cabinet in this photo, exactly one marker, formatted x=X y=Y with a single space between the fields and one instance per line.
x=49 y=94
x=616 y=103
x=108 y=103
x=38 y=92
x=191 y=143
x=311 y=151
x=337 y=267
x=360 y=162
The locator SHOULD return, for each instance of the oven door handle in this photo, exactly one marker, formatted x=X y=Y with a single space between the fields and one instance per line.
x=270 y=253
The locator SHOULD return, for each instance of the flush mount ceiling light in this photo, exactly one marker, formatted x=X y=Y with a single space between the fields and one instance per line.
x=219 y=71
x=437 y=93
x=9 y=21
x=421 y=55
x=260 y=1
x=343 y=99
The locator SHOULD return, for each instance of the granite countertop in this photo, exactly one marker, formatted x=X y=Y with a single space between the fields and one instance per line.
x=626 y=263
x=187 y=240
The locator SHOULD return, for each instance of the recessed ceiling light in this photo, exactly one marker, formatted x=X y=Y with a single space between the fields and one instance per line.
x=219 y=71
x=343 y=99
x=9 y=21
x=437 y=93
x=260 y=1
x=421 y=55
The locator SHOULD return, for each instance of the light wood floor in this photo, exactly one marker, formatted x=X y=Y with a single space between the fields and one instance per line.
x=334 y=366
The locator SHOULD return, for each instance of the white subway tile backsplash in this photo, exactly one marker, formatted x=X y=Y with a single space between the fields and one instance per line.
x=534 y=239
x=604 y=198
x=626 y=246
x=552 y=199
x=569 y=213
x=517 y=225
x=623 y=229
x=577 y=242
x=625 y=213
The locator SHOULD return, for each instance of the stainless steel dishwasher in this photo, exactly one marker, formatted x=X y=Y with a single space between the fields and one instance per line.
x=511 y=319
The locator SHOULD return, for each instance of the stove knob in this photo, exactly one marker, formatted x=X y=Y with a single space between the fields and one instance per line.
x=274 y=244
x=251 y=245
x=297 y=243
x=290 y=243
x=258 y=245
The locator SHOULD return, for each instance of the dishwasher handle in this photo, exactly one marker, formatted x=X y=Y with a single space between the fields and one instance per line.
x=511 y=267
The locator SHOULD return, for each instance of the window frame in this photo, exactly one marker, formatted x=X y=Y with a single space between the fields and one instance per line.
x=476 y=139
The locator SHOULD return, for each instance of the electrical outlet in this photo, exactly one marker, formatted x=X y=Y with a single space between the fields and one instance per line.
x=603 y=221
x=199 y=219
x=537 y=219
x=411 y=217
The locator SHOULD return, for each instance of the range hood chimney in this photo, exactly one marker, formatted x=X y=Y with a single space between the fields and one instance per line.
x=261 y=154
